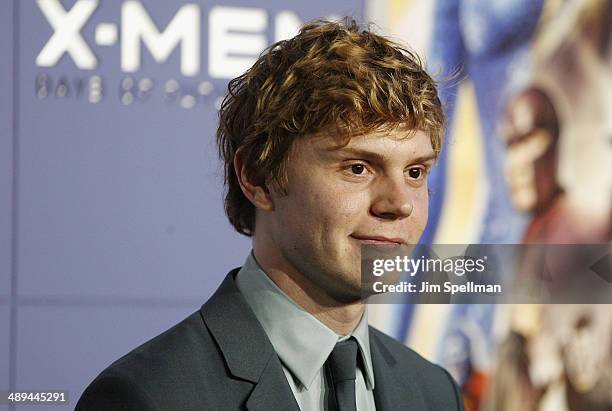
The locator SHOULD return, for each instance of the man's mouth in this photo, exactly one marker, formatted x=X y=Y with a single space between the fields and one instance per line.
x=378 y=240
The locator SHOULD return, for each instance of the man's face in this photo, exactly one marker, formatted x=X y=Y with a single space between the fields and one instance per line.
x=371 y=191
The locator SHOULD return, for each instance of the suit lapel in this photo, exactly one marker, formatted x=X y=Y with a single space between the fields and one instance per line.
x=393 y=391
x=272 y=391
x=247 y=351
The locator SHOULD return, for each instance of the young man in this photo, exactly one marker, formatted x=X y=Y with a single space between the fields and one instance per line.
x=327 y=141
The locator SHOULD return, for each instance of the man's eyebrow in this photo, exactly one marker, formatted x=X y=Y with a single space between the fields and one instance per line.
x=379 y=157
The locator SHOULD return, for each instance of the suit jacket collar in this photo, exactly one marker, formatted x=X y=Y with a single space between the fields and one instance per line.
x=248 y=353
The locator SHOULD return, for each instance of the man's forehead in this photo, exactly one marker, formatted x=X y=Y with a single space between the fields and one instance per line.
x=402 y=139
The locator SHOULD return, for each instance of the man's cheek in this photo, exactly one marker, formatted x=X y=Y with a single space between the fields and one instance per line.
x=340 y=205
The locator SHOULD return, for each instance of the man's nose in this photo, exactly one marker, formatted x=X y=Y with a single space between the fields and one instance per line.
x=392 y=199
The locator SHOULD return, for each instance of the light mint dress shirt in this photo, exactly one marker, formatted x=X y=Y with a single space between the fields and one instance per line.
x=302 y=342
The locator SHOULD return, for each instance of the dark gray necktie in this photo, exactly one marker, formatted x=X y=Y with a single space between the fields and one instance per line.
x=341 y=365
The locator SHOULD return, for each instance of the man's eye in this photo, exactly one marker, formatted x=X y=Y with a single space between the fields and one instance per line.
x=358 y=169
x=416 y=173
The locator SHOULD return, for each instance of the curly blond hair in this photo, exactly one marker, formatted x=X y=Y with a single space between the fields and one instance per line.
x=333 y=77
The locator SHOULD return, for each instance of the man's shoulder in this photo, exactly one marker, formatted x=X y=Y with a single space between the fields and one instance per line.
x=185 y=348
x=162 y=371
x=185 y=341
x=434 y=382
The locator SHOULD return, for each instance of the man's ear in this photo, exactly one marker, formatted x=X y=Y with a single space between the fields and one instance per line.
x=257 y=193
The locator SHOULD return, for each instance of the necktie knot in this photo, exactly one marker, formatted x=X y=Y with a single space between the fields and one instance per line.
x=343 y=360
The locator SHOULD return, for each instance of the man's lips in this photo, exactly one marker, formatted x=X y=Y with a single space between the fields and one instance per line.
x=378 y=239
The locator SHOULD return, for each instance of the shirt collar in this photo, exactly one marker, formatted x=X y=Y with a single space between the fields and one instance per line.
x=301 y=341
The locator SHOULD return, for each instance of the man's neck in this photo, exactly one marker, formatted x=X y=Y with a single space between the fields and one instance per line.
x=342 y=318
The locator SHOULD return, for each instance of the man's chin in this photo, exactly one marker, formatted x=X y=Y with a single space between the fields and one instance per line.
x=351 y=292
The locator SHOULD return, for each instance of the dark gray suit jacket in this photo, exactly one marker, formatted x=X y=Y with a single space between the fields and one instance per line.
x=220 y=358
